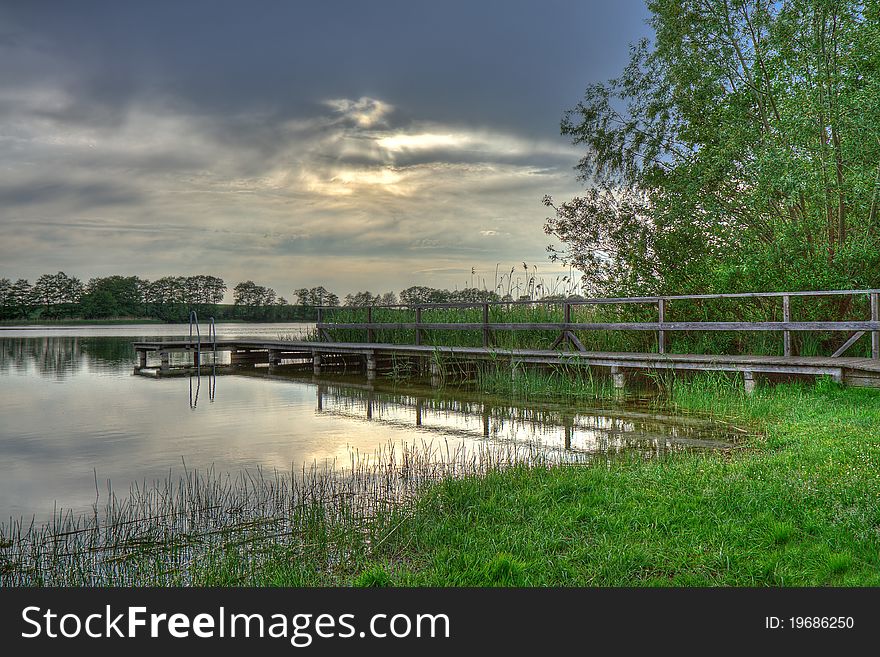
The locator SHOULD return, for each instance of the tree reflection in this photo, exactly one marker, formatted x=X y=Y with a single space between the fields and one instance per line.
x=58 y=358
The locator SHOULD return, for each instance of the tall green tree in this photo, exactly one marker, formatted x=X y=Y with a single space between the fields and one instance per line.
x=738 y=150
x=114 y=296
x=57 y=293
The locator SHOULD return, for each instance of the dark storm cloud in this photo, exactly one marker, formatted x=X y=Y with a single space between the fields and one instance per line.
x=510 y=64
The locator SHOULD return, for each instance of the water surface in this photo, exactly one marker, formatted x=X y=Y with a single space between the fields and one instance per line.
x=73 y=417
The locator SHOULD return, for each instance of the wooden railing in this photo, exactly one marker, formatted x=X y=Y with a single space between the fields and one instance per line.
x=567 y=327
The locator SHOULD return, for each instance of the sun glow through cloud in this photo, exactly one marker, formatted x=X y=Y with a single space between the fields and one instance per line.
x=403 y=142
x=352 y=178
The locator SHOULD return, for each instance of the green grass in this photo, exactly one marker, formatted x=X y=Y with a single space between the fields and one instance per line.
x=798 y=505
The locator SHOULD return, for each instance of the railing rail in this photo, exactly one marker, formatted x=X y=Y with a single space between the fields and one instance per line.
x=568 y=327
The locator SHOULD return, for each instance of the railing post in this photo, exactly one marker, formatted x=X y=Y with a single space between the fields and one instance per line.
x=566 y=319
x=786 y=317
x=661 y=334
x=370 y=334
x=485 y=325
x=418 y=321
x=875 y=335
x=318 y=325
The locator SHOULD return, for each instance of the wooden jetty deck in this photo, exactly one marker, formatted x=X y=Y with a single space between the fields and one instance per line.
x=371 y=356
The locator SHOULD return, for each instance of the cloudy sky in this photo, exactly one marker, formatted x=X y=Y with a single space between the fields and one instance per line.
x=355 y=145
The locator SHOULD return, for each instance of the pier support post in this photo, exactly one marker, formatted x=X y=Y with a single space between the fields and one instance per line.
x=750 y=382
x=274 y=357
x=165 y=359
x=197 y=358
x=619 y=380
x=371 y=367
x=436 y=375
x=142 y=359
x=316 y=364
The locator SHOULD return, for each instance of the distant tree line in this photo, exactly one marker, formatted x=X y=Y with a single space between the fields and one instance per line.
x=59 y=296
x=171 y=298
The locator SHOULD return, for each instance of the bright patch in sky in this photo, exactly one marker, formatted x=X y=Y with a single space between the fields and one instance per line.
x=423 y=141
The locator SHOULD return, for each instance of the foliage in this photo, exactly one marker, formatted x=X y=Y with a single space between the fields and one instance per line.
x=738 y=151
x=57 y=290
x=316 y=296
x=419 y=294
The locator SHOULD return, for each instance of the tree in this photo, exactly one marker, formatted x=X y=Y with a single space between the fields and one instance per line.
x=253 y=301
x=54 y=290
x=317 y=295
x=419 y=294
x=388 y=299
x=114 y=296
x=738 y=151
x=361 y=299
x=17 y=298
x=473 y=295
x=166 y=298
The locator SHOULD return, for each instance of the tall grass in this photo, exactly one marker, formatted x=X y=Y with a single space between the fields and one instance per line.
x=691 y=342
x=208 y=528
x=552 y=382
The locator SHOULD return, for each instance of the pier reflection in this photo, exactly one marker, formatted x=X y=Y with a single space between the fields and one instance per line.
x=554 y=427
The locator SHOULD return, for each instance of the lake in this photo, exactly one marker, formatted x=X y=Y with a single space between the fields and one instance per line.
x=75 y=422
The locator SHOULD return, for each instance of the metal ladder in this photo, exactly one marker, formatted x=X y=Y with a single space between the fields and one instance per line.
x=212 y=334
x=212 y=380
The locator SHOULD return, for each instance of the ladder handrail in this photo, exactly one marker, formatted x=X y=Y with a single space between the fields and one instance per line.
x=194 y=319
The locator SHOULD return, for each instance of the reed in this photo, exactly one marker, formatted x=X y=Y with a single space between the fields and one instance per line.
x=685 y=342
x=318 y=524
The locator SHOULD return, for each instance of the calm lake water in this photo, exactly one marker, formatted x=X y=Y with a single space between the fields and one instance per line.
x=72 y=413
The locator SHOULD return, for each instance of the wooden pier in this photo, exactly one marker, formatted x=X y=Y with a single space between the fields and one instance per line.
x=369 y=356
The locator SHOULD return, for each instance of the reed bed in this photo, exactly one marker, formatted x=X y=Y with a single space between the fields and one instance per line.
x=318 y=524
x=691 y=342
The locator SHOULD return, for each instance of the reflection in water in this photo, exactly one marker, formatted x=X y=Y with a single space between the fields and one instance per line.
x=73 y=415
x=576 y=430
x=59 y=358
x=58 y=352
x=212 y=385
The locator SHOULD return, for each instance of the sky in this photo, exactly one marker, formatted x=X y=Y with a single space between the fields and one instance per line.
x=355 y=145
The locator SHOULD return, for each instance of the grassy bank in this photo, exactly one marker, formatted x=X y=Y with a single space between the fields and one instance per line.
x=797 y=503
